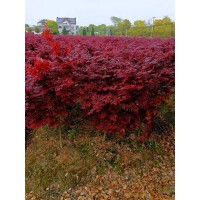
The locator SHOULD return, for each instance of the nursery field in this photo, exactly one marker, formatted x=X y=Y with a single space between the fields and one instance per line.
x=99 y=117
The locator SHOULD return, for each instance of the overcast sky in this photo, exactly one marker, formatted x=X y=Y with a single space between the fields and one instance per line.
x=98 y=11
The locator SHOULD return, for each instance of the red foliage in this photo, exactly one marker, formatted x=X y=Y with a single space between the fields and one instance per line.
x=47 y=34
x=48 y=93
x=120 y=82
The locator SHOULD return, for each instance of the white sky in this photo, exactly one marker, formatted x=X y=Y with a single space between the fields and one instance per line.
x=97 y=11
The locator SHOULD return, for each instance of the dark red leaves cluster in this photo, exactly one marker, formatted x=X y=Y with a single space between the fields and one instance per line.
x=119 y=82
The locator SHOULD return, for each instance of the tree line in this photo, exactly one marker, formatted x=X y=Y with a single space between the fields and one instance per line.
x=164 y=27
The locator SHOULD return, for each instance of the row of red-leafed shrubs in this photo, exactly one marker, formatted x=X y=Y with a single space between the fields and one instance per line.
x=119 y=82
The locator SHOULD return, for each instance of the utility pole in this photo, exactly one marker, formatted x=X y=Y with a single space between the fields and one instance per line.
x=152 y=31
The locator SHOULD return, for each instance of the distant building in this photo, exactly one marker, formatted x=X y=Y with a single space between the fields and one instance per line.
x=69 y=24
x=42 y=22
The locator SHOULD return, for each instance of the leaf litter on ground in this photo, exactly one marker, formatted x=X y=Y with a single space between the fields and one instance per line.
x=117 y=168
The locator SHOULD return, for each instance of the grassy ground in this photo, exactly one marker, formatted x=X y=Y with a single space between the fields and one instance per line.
x=86 y=167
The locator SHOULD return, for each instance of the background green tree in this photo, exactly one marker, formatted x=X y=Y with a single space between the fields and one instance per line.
x=92 y=32
x=84 y=32
x=120 y=28
x=29 y=29
x=53 y=26
x=64 y=31
x=115 y=20
x=91 y=26
x=126 y=26
x=163 y=27
x=139 y=29
x=139 y=23
x=102 y=29
x=111 y=30
x=36 y=29
x=123 y=27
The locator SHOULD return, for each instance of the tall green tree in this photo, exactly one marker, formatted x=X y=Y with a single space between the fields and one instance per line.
x=115 y=20
x=166 y=20
x=139 y=23
x=126 y=25
x=64 y=31
x=81 y=30
x=139 y=29
x=123 y=27
x=92 y=32
x=53 y=26
x=111 y=30
x=163 y=27
x=87 y=30
x=120 y=28
x=36 y=29
x=90 y=27
x=102 y=29
x=84 y=32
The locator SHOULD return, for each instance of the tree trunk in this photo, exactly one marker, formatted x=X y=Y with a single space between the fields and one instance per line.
x=104 y=136
x=60 y=134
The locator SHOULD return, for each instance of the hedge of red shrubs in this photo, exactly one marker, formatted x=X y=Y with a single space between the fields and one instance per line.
x=118 y=81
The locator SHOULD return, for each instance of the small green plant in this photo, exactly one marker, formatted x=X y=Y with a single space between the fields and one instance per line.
x=71 y=133
x=152 y=145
